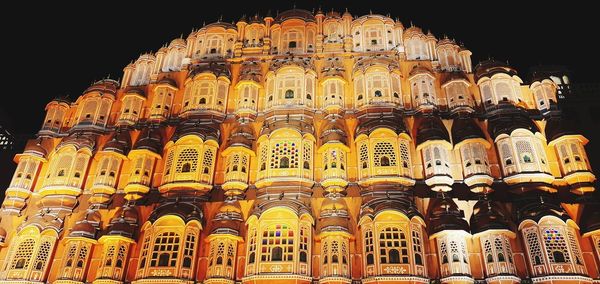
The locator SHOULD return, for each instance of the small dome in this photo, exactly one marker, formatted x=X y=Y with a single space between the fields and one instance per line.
x=228 y=219
x=243 y=135
x=120 y=142
x=83 y=229
x=186 y=211
x=178 y=42
x=78 y=140
x=217 y=69
x=220 y=24
x=446 y=41
x=167 y=81
x=453 y=76
x=136 y=91
x=418 y=69
x=413 y=31
x=444 y=215
x=332 y=15
x=35 y=149
x=590 y=218
x=105 y=86
x=536 y=207
x=465 y=128
x=557 y=127
x=393 y=122
x=488 y=68
x=333 y=204
x=295 y=14
x=508 y=123
x=488 y=215
x=204 y=129
x=334 y=131
x=150 y=139
x=431 y=128
x=146 y=57
x=119 y=227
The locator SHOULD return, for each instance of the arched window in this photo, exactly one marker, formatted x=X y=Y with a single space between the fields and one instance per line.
x=166 y=249
x=385 y=161
x=289 y=94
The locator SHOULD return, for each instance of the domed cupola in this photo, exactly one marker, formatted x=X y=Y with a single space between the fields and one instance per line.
x=469 y=139
x=238 y=156
x=223 y=241
x=334 y=235
x=488 y=215
x=492 y=227
x=550 y=236
x=334 y=154
x=299 y=14
x=572 y=157
x=450 y=230
x=522 y=150
x=444 y=216
x=120 y=143
x=499 y=85
x=146 y=151
x=590 y=222
x=434 y=144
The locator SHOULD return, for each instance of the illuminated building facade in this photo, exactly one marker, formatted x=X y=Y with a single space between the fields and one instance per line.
x=304 y=148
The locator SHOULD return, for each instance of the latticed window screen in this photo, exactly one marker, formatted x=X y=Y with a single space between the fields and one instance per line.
x=230 y=254
x=207 y=161
x=489 y=257
x=369 y=247
x=145 y=248
x=444 y=252
x=278 y=243
x=304 y=243
x=70 y=257
x=188 y=251
x=498 y=245
x=252 y=246
x=307 y=155
x=384 y=154
x=264 y=154
x=344 y=253
x=405 y=154
x=42 y=255
x=463 y=250
x=364 y=156
x=110 y=255
x=509 y=253
x=574 y=247
x=169 y=162
x=393 y=247
x=535 y=250
x=525 y=151
x=121 y=257
x=23 y=254
x=556 y=245
x=83 y=252
x=417 y=247
x=506 y=154
x=284 y=154
x=187 y=161
x=164 y=252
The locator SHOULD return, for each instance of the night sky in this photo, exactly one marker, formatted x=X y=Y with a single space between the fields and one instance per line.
x=55 y=59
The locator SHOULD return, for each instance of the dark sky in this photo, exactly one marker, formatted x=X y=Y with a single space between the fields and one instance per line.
x=56 y=59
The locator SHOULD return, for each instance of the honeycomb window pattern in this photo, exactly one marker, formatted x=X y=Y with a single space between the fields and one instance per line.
x=23 y=254
x=556 y=245
x=187 y=161
x=535 y=250
x=384 y=155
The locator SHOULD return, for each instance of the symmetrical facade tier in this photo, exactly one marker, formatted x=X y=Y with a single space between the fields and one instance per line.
x=304 y=148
